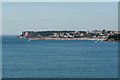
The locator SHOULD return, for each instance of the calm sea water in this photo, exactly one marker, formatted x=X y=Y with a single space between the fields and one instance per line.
x=58 y=58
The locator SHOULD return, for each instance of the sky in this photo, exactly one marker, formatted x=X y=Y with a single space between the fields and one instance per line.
x=60 y=0
x=43 y=16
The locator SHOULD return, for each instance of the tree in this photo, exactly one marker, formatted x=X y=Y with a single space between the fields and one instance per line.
x=103 y=31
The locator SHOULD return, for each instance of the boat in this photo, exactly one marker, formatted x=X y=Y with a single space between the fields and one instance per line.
x=96 y=41
x=29 y=39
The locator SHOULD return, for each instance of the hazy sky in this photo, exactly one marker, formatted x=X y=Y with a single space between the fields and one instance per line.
x=60 y=0
x=38 y=16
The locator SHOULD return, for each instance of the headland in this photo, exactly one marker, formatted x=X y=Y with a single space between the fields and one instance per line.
x=99 y=35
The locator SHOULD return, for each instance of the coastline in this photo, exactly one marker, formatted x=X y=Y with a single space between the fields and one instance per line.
x=95 y=35
x=94 y=39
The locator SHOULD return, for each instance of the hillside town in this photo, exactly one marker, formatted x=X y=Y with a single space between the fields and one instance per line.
x=99 y=35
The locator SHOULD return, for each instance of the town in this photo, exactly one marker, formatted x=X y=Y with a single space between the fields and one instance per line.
x=99 y=35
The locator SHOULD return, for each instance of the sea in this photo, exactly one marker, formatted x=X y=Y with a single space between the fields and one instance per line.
x=22 y=58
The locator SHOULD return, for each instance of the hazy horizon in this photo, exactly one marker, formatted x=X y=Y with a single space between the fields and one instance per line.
x=58 y=16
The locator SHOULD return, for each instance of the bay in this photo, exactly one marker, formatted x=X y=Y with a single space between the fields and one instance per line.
x=22 y=58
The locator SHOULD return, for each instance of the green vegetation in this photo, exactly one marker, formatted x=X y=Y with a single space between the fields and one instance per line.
x=114 y=37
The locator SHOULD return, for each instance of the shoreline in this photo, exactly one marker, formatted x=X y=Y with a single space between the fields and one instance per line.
x=81 y=39
x=93 y=39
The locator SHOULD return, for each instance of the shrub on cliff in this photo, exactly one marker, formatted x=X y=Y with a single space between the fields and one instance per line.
x=114 y=37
